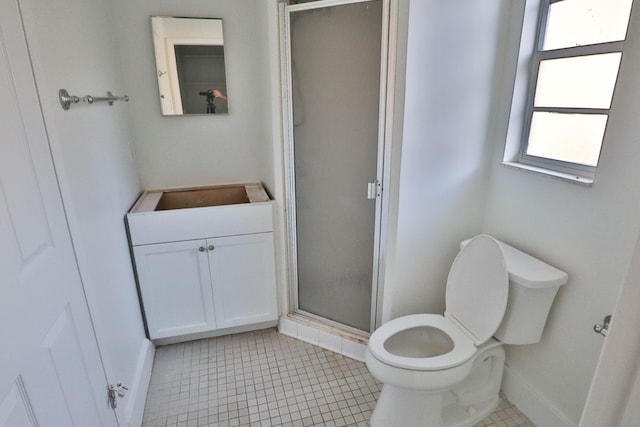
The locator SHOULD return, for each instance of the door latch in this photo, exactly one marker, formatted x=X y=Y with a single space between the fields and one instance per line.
x=113 y=392
x=373 y=189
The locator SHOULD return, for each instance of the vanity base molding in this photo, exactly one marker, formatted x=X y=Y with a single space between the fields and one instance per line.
x=216 y=333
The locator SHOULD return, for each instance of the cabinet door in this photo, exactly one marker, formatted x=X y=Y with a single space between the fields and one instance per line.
x=176 y=288
x=243 y=278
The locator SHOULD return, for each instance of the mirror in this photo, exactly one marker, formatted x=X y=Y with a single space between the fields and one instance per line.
x=190 y=65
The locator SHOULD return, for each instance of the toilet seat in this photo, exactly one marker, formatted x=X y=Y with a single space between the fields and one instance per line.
x=463 y=348
x=476 y=300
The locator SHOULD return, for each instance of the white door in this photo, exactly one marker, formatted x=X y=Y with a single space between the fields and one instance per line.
x=176 y=288
x=50 y=368
x=243 y=279
x=615 y=390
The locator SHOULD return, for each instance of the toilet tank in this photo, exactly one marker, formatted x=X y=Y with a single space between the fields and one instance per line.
x=533 y=285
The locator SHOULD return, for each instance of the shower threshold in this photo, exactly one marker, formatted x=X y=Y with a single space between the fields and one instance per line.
x=324 y=333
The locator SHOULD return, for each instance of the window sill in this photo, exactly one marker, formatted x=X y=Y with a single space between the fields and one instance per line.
x=581 y=180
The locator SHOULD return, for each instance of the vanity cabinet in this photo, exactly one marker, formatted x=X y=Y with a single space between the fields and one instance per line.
x=175 y=286
x=205 y=270
x=202 y=285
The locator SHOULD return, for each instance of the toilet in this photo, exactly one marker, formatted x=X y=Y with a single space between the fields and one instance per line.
x=446 y=370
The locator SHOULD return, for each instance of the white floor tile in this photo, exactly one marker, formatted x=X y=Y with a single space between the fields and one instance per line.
x=265 y=378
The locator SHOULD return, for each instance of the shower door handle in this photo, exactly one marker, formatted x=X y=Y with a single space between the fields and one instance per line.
x=373 y=189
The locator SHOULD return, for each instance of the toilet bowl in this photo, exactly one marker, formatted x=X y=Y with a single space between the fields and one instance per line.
x=445 y=370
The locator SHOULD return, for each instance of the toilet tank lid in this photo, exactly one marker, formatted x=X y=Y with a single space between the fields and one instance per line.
x=528 y=271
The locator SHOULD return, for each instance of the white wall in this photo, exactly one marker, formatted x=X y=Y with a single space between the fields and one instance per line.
x=587 y=231
x=442 y=177
x=72 y=47
x=201 y=150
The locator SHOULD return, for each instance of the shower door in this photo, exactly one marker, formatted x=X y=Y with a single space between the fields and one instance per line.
x=334 y=91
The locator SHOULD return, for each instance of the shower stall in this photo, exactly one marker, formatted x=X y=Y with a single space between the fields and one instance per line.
x=335 y=73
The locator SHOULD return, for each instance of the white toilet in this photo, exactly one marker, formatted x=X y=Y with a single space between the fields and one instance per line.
x=446 y=370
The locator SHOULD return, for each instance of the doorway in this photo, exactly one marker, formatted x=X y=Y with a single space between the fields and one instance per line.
x=335 y=66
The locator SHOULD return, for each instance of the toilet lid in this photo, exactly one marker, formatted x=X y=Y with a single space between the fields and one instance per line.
x=478 y=288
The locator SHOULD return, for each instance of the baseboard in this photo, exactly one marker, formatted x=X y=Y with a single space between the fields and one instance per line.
x=531 y=403
x=135 y=408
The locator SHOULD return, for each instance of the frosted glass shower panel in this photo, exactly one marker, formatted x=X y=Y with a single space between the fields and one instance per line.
x=335 y=60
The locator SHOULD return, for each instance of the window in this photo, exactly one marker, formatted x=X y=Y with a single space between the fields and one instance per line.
x=574 y=71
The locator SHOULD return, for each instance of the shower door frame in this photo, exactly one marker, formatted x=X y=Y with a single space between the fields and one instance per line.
x=387 y=69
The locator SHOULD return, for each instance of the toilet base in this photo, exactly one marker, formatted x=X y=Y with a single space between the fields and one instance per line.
x=456 y=415
x=408 y=408
x=463 y=405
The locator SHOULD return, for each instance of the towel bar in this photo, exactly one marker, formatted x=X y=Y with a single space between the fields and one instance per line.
x=66 y=100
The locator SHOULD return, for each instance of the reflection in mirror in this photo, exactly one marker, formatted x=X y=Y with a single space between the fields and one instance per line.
x=190 y=65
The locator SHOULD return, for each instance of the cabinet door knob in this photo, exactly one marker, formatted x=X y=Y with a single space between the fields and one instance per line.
x=211 y=247
x=201 y=249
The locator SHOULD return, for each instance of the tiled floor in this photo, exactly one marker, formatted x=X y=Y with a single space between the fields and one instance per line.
x=264 y=378
x=505 y=415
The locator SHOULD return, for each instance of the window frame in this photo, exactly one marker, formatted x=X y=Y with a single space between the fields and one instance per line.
x=539 y=55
